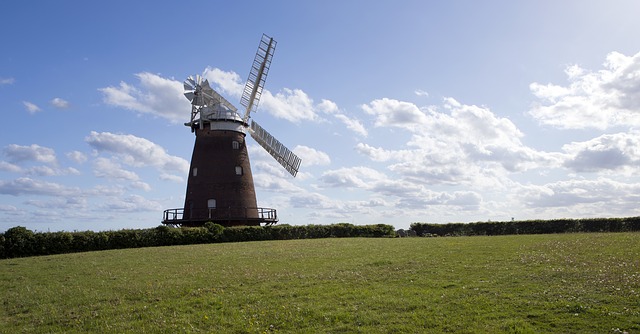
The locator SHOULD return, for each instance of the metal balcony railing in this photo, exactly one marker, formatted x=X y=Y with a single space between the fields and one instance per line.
x=265 y=215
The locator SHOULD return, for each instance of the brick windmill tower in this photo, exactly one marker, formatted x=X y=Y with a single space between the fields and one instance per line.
x=220 y=185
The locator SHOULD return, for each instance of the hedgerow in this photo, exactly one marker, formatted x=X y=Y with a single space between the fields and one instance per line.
x=628 y=224
x=20 y=242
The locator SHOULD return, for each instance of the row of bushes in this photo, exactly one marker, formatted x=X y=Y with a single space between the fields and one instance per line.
x=529 y=227
x=20 y=242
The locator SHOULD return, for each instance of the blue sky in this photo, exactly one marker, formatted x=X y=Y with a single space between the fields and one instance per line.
x=402 y=111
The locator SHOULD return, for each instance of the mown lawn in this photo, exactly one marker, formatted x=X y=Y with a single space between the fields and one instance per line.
x=565 y=283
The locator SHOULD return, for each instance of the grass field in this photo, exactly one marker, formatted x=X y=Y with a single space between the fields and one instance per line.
x=564 y=283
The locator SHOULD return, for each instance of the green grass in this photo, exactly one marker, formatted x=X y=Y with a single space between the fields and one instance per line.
x=565 y=283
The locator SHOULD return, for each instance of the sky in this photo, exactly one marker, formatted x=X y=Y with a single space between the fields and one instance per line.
x=402 y=111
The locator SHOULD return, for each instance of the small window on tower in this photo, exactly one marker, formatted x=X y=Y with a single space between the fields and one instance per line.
x=238 y=170
x=195 y=171
x=236 y=145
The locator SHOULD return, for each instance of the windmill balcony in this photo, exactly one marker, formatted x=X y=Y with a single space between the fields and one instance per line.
x=231 y=216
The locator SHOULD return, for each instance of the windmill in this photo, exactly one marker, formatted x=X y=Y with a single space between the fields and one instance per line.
x=220 y=184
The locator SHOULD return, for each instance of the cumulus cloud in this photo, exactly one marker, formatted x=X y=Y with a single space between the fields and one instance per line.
x=468 y=200
x=171 y=178
x=28 y=186
x=382 y=154
x=154 y=95
x=312 y=201
x=601 y=99
x=19 y=156
x=106 y=168
x=328 y=107
x=325 y=207
x=352 y=177
x=164 y=97
x=31 y=107
x=9 y=167
x=77 y=157
x=464 y=144
x=132 y=203
x=397 y=192
x=311 y=156
x=293 y=105
x=49 y=171
x=390 y=112
x=136 y=151
x=606 y=152
x=59 y=103
x=18 y=153
x=352 y=123
x=76 y=203
x=602 y=194
x=224 y=82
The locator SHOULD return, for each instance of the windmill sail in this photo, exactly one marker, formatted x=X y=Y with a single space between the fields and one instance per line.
x=258 y=75
x=215 y=98
x=283 y=155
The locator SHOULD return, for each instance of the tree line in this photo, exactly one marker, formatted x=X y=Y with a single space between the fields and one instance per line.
x=20 y=241
x=628 y=224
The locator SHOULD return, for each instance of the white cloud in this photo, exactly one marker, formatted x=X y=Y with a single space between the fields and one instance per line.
x=132 y=203
x=171 y=178
x=7 y=81
x=420 y=92
x=155 y=95
x=397 y=192
x=107 y=191
x=382 y=154
x=327 y=208
x=31 y=107
x=583 y=197
x=606 y=98
x=312 y=201
x=466 y=145
x=106 y=168
x=274 y=180
x=49 y=171
x=21 y=155
x=311 y=156
x=59 y=103
x=293 y=105
x=390 y=112
x=352 y=124
x=606 y=152
x=164 y=97
x=33 y=152
x=9 y=167
x=328 y=107
x=224 y=82
x=136 y=151
x=77 y=157
x=352 y=177
x=468 y=200
x=28 y=186
x=76 y=203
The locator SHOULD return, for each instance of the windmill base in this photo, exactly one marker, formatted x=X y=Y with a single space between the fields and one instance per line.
x=227 y=218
